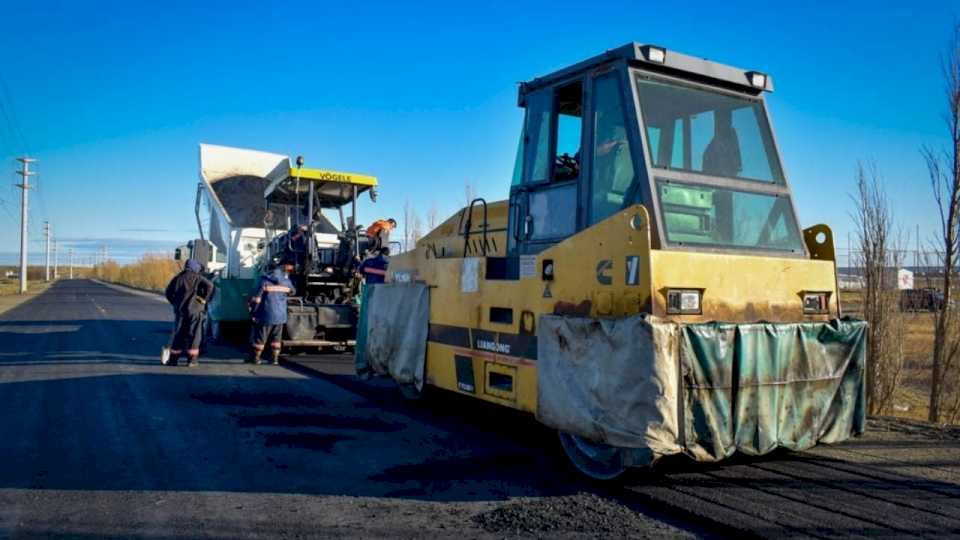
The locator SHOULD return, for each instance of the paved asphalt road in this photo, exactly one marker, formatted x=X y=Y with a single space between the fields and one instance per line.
x=99 y=440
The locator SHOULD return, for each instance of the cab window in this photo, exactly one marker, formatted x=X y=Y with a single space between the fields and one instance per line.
x=553 y=212
x=612 y=168
x=557 y=132
x=707 y=132
x=537 y=136
x=569 y=132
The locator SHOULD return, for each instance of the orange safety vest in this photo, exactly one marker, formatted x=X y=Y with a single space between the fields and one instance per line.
x=379 y=225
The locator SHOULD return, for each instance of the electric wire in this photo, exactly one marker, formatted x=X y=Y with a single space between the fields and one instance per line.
x=11 y=115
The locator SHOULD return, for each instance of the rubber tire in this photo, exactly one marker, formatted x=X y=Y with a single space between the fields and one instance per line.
x=596 y=461
x=410 y=392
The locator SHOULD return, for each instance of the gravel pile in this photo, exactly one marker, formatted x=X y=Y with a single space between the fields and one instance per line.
x=581 y=514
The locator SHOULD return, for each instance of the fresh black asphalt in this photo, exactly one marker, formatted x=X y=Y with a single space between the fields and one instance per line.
x=99 y=440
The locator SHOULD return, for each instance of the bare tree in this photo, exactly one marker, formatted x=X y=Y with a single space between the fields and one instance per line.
x=416 y=230
x=433 y=217
x=469 y=192
x=944 y=169
x=412 y=226
x=879 y=259
x=407 y=218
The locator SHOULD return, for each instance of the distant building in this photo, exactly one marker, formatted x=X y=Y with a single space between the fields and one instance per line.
x=847 y=281
x=894 y=278
x=904 y=279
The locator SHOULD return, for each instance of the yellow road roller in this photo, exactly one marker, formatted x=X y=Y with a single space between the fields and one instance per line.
x=646 y=289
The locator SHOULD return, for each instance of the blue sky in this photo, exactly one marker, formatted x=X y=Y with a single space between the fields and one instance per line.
x=113 y=97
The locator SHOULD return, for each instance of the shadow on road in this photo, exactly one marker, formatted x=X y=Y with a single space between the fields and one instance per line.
x=87 y=408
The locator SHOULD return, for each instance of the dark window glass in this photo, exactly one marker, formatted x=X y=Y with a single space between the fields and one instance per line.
x=612 y=173
x=569 y=122
x=712 y=216
x=537 y=136
x=553 y=212
x=728 y=136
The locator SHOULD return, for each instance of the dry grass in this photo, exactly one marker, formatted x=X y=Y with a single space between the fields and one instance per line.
x=35 y=278
x=151 y=272
x=911 y=399
x=8 y=286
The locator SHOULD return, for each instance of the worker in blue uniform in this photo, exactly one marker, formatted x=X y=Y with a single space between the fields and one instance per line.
x=374 y=269
x=268 y=307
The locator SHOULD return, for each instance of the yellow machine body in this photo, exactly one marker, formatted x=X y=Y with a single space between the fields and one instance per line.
x=608 y=270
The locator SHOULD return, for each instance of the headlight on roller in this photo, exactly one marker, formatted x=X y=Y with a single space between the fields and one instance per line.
x=816 y=303
x=684 y=301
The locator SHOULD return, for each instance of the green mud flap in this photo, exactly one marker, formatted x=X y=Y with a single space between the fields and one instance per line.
x=230 y=299
x=753 y=388
x=360 y=363
x=655 y=387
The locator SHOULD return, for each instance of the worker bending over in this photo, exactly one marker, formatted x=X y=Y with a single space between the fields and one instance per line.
x=268 y=306
x=189 y=293
x=379 y=233
x=374 y=269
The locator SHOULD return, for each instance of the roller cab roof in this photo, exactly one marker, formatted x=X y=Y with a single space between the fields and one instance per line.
x=659 y=59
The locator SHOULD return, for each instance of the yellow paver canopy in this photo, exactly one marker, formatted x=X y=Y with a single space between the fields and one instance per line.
x=333 y=189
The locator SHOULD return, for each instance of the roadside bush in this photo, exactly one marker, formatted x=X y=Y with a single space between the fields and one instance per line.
x=152 y=272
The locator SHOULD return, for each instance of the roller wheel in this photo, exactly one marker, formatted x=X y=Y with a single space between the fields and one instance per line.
x=595 y=460
x=410 y=392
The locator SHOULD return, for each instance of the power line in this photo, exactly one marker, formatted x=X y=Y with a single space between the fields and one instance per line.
x=11 y=115
x=8 y=132
x=6 y=208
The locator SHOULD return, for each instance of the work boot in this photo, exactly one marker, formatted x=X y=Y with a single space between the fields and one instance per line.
x=193 y=362
x=276 y=358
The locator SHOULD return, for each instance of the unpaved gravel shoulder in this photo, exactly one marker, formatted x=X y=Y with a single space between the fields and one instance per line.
x=252 y=515
x=584 y=515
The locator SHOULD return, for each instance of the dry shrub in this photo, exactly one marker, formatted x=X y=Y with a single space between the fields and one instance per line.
x=152 y=272
x=878 y=258
x=943 y=166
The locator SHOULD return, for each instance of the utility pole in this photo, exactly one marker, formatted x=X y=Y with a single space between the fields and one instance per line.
x=56 y=259
x=24 y=186
x=849 y=252
x=916 y=258
x=46 y=235
x=71 y=263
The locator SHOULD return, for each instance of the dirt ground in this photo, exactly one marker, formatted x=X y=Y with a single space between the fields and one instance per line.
x=9 y=297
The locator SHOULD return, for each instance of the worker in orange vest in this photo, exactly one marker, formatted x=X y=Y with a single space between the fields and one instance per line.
x=379 y=233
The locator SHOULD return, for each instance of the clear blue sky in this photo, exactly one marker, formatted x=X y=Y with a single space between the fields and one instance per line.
x=113 y=97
